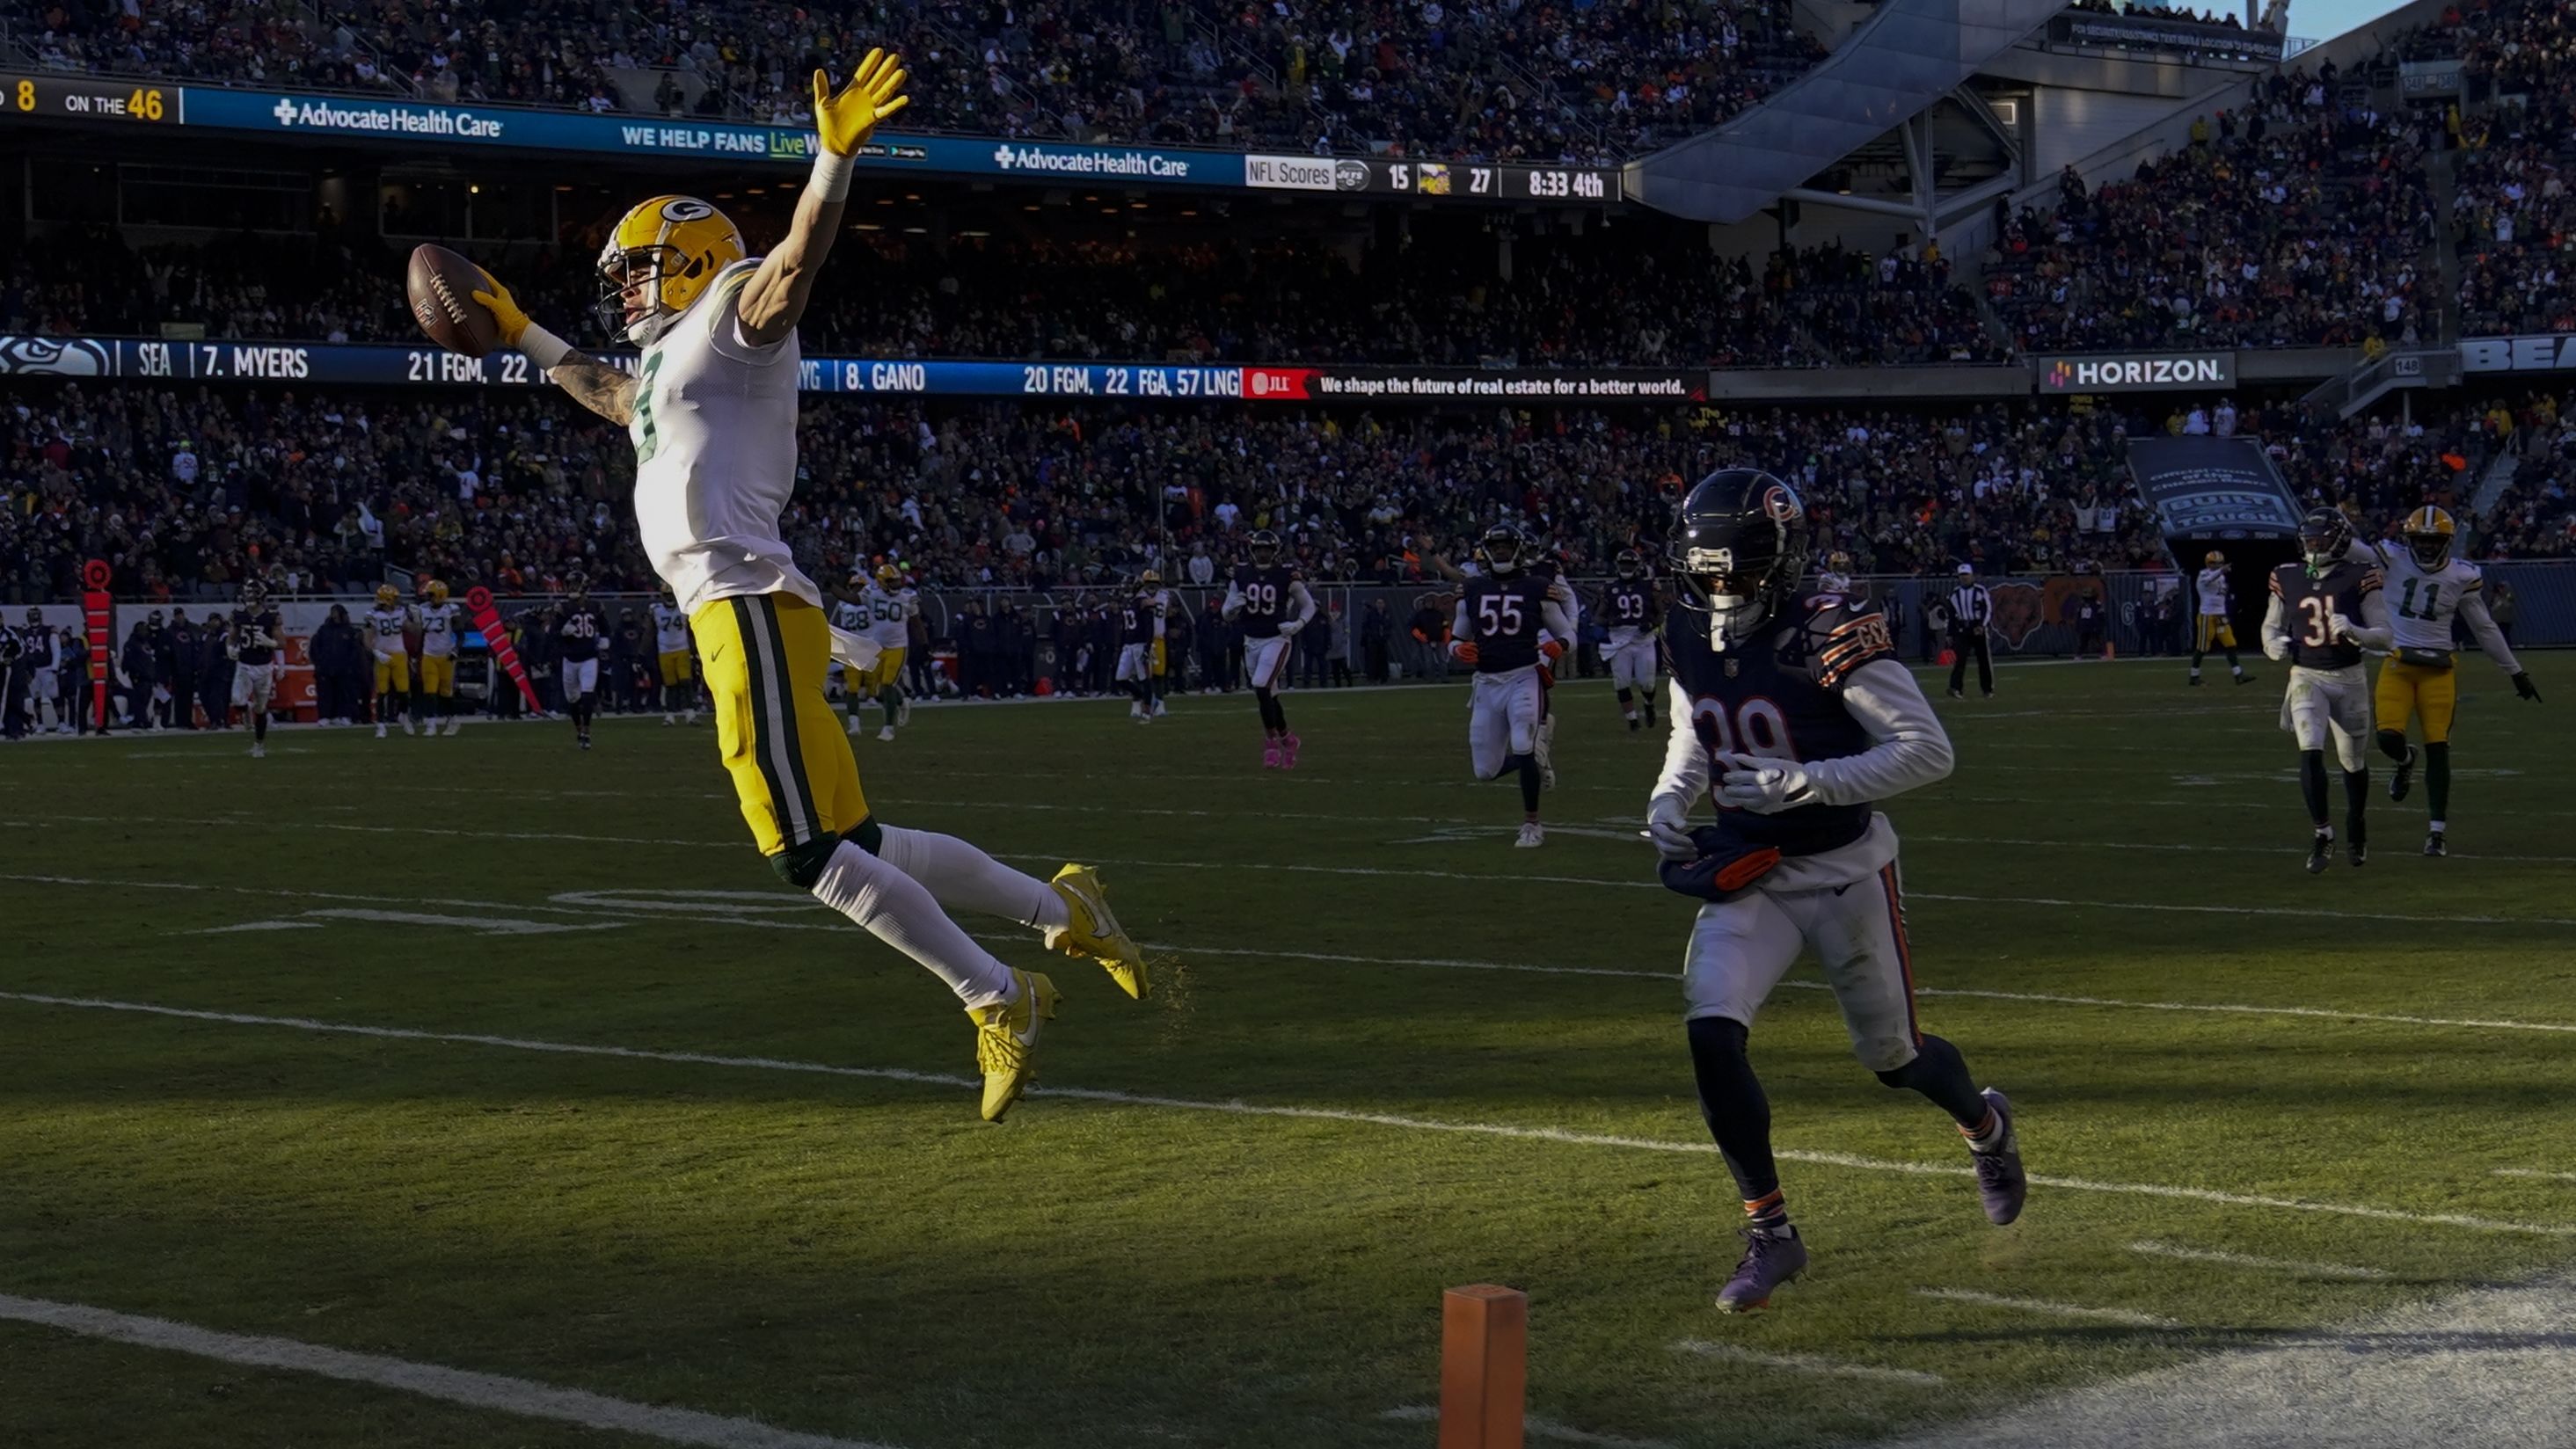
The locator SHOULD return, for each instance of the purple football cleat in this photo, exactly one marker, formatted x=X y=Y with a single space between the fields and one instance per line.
x=2000 y=1179
x=1769 y=1261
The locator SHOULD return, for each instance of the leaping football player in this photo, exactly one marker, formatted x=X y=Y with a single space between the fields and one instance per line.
x=1140 y=644
x=1794 y=710
x=2213 y=629
x=1272 y=600
x=1636 y=614
x=711 y=410
x=253 y=639
x=671 y=655
x=388 y=625
x=1508 y=627
x=438 y=658
x=2418 y=682
x=2311 y=622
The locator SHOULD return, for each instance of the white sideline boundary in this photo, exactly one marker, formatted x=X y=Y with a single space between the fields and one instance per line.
x=1534 y=1426
x=1238 y=1108
x=523 y=1397
x=2184 y=1254
x=1810 y=1363
x=1390 y=872
x=2048 y=1308
x=756 y=913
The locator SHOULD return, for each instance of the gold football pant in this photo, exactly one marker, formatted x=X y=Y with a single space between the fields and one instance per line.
x=766 y=657
x=2429 y=694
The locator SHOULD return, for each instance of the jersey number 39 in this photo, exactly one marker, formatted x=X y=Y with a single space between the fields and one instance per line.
x=1756 y=728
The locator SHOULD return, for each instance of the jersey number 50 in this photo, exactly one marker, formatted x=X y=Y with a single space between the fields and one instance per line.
x=1756 y=728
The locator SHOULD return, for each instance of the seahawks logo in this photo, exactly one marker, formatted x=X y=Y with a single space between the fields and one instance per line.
x=55 y=356
x=686 y=208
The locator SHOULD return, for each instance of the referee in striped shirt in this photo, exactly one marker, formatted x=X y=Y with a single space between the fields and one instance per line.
x=1971 y=609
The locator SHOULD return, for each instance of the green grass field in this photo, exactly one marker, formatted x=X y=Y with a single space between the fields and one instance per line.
x=1400 y=1056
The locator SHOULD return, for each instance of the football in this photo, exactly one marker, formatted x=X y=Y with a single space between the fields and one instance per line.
x=441 y=285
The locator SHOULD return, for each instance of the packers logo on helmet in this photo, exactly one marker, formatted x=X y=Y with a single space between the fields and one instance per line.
x=888 y=576
x=435 y=591
x=1150 y=577
x=2429 y=535
x=387 y=596
x=2214 y=559
x=659 y=260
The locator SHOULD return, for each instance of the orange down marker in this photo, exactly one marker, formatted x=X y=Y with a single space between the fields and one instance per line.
x=1484 y=1366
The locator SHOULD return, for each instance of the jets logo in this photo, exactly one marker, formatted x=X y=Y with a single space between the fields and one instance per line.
x=686 y=208
x=1777 y=502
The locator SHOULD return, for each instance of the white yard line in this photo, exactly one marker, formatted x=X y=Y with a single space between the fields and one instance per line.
x=2533 y=1172
x=2048 y=1308
x=1535 y=1427
x=523 y=1397
x=1305 y=1114
x=2249 y=1260
x=1809 y=1363
x=759 y=909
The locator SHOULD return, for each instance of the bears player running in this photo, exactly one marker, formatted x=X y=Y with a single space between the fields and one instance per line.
x=2431 y=588
x=1271 y=599
x=253 y=639
x=711 y=410
x=1508 y=627
x=671 y=656
x=1635 y=615
x=2310 y=623
x=1140 y=644
x=438 y=657
x=2214 y=631
x=1797 y=713
x=580 y=633
x=388 y=625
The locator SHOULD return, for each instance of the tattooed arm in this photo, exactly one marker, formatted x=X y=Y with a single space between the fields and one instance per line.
x=596 y=385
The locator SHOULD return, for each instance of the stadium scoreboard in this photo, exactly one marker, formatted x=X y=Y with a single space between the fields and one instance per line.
x=85 y=98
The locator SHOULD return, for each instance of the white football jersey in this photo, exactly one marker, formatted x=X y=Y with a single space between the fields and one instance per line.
x=715 y=453
x=670 y=629
x=385 y=630
x=889 y=616
x=2213 y=592
x=438 y=630
x=2422 y=601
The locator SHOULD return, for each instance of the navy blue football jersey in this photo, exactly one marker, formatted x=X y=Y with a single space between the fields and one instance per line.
x=1503 y=620
x=1265 y=598
x=581 y=632
x=2310 y=602
x=255 y=636
x=1630 y=604
x=1779 y=694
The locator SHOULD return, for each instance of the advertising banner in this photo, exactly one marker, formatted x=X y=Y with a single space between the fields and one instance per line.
x=498 y=128
x=2553 y=352
x=2213 y=487
x=2135 y=372
x=1452 y=384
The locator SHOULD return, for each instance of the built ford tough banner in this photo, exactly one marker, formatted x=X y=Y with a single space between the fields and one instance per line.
x=104 y=102
x=389 y=365
x=2213 y=488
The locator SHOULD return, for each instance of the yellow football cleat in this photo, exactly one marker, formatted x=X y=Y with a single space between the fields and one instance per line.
x=1006 y=1041
x=1094 y=932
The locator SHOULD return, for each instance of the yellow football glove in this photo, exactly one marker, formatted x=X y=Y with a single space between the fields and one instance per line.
x=844 y=122
x=505 y=310
x=1160 y=659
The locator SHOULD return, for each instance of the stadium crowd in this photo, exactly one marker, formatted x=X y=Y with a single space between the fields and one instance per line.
x=186 y=491
x=1602 y=300
x=2299 y=221
x=2513 y=217
x=1486 y=79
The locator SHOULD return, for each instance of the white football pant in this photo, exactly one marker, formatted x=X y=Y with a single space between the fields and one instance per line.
x=2323 y=703
x=1502 y=719
x=1740 y=949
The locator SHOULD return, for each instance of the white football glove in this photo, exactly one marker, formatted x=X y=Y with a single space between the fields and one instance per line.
x=1668 y=826
x=1289 y=629
x=1763 y=786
